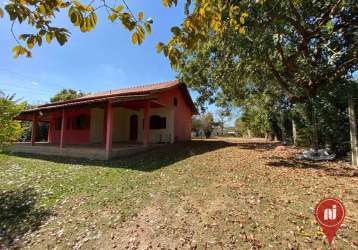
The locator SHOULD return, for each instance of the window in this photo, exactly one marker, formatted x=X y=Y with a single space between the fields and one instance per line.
x=81 y=122
x=157 y=122
x=58 y=123
x=175 y=101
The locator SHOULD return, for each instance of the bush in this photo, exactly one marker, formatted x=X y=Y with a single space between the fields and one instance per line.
x=10 y=129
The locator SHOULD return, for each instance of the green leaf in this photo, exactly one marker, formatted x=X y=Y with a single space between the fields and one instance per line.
x=39 y=40
x=74 y=17
x=113 y=17
x=16 y=50
x=175 y=30
x=93 y=18
x=24 y=36
x=329 y=26
x=141 y=34
x=31 y=42
x=83 y=25
x=140 y=31
x=42 y=9
x=89 y=25
x=140 y=16
x=135 y=38
x=160 y=47
x=42 y=32
x=148 y=28
x=242 y=30
x=61 y=38
x=19 y=50
x=119 y=8
x=127 y=21
x=49 y=37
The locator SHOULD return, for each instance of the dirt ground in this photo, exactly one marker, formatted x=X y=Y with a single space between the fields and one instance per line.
x=206 y=194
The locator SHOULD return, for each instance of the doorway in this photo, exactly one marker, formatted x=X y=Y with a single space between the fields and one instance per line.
x=133 y=128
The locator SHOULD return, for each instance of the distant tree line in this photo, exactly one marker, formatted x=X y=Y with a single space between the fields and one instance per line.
x=12 y=130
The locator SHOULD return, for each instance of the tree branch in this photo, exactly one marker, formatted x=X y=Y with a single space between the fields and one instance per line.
x=278 y=76
x=345 y=66
x=330 y=11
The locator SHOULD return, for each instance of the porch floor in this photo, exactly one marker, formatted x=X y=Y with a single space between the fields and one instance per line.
x=89 y=151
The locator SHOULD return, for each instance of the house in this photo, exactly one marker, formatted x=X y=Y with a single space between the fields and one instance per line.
x=113 y=123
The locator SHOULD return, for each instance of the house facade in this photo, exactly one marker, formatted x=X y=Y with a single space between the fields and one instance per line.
x=110 y=121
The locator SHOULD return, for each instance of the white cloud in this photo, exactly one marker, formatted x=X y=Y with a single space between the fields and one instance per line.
x=35 y=83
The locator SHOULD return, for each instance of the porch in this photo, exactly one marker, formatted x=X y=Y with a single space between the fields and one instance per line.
x=89 y=151
x=103 y=130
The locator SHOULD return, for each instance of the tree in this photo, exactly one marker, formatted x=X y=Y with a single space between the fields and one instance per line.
x=222 y=113
x=259 y=114
x=300 y=47
x=10 y=129
x=240 y=127
x=331 y=108
x=197 y=125
x=353 y=130
x=66 y=94
x=208 y=123
x=40 y=15
x=304 y=44
x=203 y=124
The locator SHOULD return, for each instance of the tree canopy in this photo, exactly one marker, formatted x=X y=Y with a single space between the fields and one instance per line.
x=66 y=94
x=303 y=45
x=40 y=14
x=10 y=130
x=292 y=59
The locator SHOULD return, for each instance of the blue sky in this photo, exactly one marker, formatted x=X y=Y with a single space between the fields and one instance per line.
x=100 y=60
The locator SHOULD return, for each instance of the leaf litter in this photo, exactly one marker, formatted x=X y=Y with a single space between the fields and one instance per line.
x=204 y=194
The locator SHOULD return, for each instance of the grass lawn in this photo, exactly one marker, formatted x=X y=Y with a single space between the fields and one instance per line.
x=210 y=194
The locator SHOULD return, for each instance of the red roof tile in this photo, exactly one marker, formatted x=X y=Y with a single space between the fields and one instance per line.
x=143 y=89
x=132 y=91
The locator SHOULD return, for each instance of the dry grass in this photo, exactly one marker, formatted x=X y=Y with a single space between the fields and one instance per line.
x=211 y=194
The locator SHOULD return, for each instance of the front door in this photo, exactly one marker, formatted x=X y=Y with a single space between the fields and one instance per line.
x=133 y=128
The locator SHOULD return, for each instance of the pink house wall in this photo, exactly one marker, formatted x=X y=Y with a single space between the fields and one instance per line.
x=71 y=136
x=182 y=113
x=182 y=120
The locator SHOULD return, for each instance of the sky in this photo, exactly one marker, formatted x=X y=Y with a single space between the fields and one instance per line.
x=102 y=59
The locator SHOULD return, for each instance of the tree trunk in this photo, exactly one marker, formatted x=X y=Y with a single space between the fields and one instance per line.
x=315 y=129
x=353 y=131
x=294 y=132
x=283 y=126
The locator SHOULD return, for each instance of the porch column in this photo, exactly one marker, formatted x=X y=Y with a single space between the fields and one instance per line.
x=63 y=120
x=146 y=124
x=109 y=129
x=50 y=127
x=34 y=128
x=49 y=133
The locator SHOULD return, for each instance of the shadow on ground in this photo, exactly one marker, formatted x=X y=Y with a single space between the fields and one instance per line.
x=154 y=158
x=329 y=169
x=18 y=216
x=258 y=146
